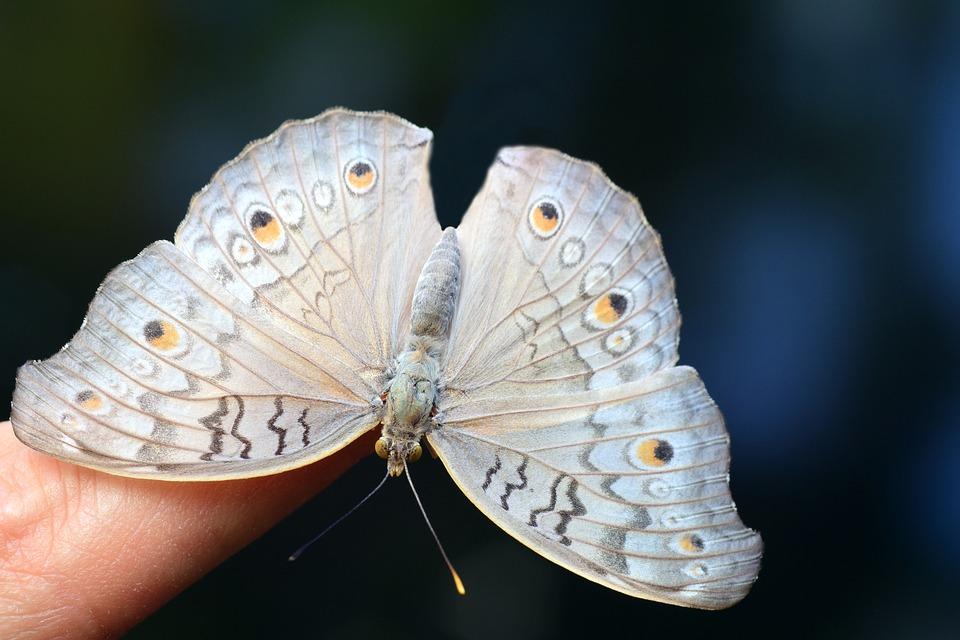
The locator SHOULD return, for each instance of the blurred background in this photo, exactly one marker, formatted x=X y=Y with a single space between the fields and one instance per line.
x=801 y=160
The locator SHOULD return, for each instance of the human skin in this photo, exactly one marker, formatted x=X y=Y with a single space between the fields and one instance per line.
x=85 y=554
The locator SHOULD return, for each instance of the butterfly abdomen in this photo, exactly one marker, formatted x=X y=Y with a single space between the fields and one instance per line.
x=437 y=289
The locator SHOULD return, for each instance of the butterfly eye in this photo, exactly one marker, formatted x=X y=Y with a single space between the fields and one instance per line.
x=382 y=448
x=415 y=453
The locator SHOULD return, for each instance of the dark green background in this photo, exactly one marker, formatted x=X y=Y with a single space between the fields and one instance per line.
x=801 y=160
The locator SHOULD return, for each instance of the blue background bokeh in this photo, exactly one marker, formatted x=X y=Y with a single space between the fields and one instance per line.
x=800 y=159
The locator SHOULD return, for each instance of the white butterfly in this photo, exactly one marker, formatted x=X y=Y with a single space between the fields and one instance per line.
x=310 y=296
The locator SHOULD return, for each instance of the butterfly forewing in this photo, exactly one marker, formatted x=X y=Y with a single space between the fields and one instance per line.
x=565 y=283
x=326 y=223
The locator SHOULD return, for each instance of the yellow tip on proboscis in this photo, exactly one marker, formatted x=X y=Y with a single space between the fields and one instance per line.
x=458 y=582
x=453 y=572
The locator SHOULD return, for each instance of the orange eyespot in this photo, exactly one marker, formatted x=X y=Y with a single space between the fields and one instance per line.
x=161 y=334
x=382 y=447
x=360 y=176
x=655 y=453
x=545 y=217
x=608 y=310
x=265 y=227
x=610 y=307
x=691 y=543
x=89 y=400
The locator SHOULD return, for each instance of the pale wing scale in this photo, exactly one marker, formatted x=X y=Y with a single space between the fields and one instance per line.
x=626 y=486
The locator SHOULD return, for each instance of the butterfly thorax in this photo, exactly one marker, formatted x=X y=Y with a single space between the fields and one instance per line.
x=412 y=392
x=410 y=401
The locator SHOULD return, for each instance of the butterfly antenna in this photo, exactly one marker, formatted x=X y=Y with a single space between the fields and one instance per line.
x=296 y=554
x=453 y=572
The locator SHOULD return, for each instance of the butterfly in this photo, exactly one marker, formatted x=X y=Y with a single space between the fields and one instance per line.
x=311 y=296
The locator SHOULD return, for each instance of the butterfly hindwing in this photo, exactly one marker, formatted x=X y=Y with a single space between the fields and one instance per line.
x=172 y=377
x=626 y=486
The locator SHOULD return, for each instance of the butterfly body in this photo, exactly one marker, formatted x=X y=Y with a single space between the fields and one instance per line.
x=311 y=296
x=412 y=392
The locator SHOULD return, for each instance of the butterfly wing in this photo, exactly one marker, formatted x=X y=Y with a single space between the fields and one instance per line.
x=261 y=340
x=563 y=416
x=565 y=285
x=626 y=486
x=325 y=225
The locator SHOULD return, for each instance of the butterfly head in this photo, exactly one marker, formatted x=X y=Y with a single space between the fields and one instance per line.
x=397 y=452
